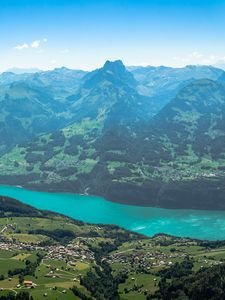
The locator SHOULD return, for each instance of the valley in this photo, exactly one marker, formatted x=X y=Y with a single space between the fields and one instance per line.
x=116 y=144
x=47 y=255
x=142 y=148
x=112 y=150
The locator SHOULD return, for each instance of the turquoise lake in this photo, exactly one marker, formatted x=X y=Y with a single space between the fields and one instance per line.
x=147 y=220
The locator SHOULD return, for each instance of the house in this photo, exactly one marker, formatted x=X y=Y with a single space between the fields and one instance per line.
x=28 y=283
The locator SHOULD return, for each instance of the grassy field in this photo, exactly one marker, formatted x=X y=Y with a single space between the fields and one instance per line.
x=9 y=264
x=55 y=288
x=59 y=263
x=149 y=282
x=65 y=275
x=136 y=286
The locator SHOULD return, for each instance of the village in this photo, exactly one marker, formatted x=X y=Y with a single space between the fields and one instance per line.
x=144 y=260
x=182 y=172
x=67 y=253
x=59 y=263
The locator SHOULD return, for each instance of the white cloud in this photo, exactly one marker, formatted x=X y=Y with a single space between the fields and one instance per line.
x=21 y=47
x=35 y=44
x=195 y=54
x=197 y=58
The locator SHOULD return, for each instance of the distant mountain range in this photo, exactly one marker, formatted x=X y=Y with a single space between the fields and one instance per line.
x=140 y=135
x=23 y=70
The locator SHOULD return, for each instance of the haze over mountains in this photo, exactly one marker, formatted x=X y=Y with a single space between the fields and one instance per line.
x=23 y=70
x=140 y=135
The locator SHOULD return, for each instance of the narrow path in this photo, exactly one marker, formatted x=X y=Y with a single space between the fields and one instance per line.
x=121 y=252
x=211 y=252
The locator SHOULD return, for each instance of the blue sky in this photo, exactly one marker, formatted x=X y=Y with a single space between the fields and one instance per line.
x=83 y=34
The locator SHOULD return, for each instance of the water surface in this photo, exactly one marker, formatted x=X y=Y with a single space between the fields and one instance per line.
x=149 y=221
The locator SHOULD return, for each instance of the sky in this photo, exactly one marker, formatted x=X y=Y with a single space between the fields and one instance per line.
x=80 y=34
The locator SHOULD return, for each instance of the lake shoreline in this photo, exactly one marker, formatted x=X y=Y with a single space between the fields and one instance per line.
x=201 y=194
x=60 y=190
x=195 y=224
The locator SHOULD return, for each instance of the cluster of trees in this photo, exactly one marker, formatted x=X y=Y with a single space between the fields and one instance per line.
x=67 y=171
x=60 y=235
x=207 y=284
x=177 y=270
x=79 y=294
x=20 y=179
x=71 y=150
x=19 y=296
x=101 y=283
x=29 y=268
x=16 y=208
x=211 y=244
x=33 y=158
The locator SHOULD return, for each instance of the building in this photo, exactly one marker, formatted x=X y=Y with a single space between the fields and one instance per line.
x=29 y=283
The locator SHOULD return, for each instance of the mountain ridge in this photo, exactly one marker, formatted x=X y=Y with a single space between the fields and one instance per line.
x=116 y=146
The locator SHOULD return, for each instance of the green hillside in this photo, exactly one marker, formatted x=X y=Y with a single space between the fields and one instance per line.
x=114 y=147
x=161 y=84
x=45 y=255
x=34 y=103
x=152 y=164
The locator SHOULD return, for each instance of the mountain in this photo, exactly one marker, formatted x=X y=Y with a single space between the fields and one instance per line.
x=111 y=145
x=162 y=83
x=26 y=111
x=62 y=81
x=53 y=99
x=109 y=94
x=112 y=72
x=194 y=117
x=156 y=163
x=10 y=77
x=177 y=160
x=35 y=103
x=220 y=64
x=23 y=70
x=99 y=107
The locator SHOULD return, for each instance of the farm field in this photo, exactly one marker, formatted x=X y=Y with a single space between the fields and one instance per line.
x=51 y=256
